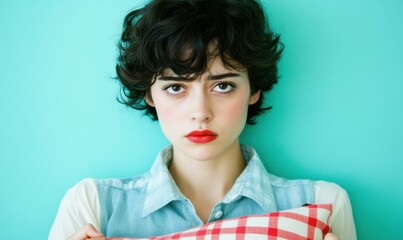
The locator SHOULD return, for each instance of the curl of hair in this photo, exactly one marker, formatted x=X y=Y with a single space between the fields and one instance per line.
x=176 y=34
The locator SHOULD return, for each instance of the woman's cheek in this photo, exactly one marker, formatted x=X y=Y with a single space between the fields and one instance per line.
x=168 y=117
x=237 y=109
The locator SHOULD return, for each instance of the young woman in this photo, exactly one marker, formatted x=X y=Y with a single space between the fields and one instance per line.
x=201 y=68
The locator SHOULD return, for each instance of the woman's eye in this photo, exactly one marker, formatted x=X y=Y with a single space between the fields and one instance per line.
x=174 y=89
x=224 y=87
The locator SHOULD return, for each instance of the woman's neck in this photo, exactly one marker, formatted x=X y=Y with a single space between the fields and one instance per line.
x=206 y=182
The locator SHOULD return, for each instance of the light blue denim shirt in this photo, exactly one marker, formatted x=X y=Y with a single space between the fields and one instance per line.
x=152 y=204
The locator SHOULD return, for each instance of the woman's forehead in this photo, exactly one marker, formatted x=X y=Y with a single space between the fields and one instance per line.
x=215 y=64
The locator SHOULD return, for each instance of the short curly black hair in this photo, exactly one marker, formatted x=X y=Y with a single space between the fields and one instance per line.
x=156 y=37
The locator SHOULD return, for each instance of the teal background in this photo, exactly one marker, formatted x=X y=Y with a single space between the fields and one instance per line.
x=337 y=116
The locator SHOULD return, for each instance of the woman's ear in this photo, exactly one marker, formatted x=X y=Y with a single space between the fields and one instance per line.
x=149 y=100
x=254 y=97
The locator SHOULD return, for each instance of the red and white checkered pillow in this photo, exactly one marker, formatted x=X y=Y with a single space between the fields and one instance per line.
x=308 y=222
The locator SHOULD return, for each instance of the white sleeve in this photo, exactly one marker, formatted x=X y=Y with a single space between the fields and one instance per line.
x=341 y=221
x=79 y=206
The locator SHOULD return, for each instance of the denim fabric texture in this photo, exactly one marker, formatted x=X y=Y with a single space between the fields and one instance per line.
x=151 y=204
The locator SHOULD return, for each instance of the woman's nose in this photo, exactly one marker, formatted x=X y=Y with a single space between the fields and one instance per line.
x=201 y=109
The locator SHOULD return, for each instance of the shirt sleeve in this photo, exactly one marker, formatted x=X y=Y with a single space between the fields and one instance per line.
x=341 y=221
x=79 y=206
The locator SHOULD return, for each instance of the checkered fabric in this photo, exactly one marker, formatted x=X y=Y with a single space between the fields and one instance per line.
x=308 y=222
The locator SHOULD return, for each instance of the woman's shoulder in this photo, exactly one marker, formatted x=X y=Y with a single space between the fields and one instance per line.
x=85 y=187
x=324 y=191
x=329 y=192
x=88 y=186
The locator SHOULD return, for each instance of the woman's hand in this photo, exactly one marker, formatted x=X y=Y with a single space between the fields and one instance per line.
x=87 y=232
x=331 y=236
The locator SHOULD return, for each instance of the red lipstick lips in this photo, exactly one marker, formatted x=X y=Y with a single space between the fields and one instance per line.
x=203 y=136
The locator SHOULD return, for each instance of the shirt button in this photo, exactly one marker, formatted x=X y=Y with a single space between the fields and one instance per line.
x=218 y=214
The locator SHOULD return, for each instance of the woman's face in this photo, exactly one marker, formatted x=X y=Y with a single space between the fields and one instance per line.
x=203 y=118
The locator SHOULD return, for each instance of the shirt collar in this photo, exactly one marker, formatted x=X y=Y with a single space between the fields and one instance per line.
x=254 y=183
x=161 y=188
